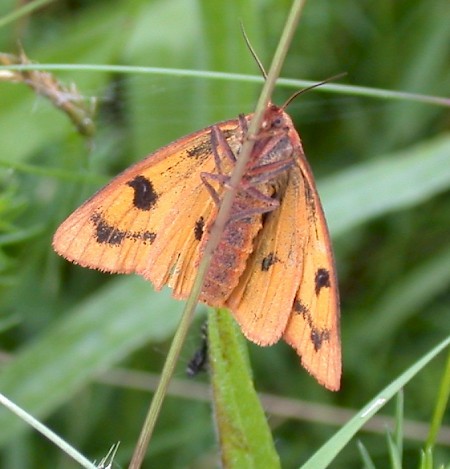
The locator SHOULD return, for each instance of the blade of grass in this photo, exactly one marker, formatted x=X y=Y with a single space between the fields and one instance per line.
x=45 y=431
x=23 y=11
x=239 y=77
x=365 y=456
x=441 y=405
x=399 y=421
x=325 y=455
x=394 y=453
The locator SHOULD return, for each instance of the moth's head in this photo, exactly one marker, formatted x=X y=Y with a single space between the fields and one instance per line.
x=275 y=118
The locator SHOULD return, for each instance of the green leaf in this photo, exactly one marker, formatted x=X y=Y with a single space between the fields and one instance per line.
x=244 y=435
x=389 y=183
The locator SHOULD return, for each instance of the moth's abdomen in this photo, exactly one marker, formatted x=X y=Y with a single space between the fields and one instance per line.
x=231 y=255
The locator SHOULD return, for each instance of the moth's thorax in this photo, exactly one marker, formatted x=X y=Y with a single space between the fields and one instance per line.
x=277 y=138
x=274 y=149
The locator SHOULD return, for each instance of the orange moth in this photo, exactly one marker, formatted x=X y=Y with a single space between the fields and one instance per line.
x=273 y=267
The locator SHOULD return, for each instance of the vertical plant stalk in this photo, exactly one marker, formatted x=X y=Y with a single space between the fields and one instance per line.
x=216 y=232
x=441 y=405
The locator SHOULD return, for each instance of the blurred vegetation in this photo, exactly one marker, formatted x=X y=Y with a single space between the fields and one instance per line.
x=382 y=168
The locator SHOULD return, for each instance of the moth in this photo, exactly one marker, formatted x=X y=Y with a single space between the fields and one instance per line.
x=273 y=267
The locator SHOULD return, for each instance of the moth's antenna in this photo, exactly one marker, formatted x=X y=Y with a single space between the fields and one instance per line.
x=309 y=88
x=252 y=51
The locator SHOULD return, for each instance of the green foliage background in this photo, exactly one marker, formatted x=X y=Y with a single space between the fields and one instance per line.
x=382 y=167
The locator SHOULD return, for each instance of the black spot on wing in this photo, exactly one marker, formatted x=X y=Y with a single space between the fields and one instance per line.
x=300 y=308
x=108 y=234
x=317 y=335
x=198 y=229
x=146 y=236
x=268 y=261
x=105 y=233
x=309 y=194
x=199 y=151
x=145 y=196
x=322 y=280
x=203 y=150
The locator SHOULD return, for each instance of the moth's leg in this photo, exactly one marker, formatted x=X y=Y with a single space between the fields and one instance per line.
x=220 y=178
x=218 y=141
x=266 y=172
x=214 y=145
x=244 y=128
x=243 y=123
x=265 y=204
x=268 y=203
x=272 y=204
